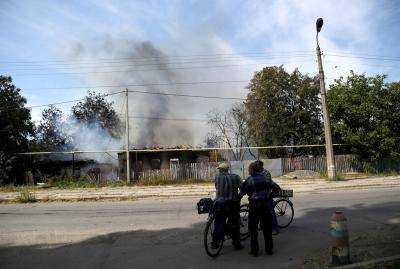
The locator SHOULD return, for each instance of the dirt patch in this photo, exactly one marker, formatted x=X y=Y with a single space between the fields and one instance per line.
x=383 y=241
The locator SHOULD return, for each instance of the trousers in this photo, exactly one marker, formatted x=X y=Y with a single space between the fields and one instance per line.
x=227 y=215
x=260 y=216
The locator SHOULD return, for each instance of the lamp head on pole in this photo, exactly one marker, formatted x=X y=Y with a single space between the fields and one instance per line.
x=319 y=24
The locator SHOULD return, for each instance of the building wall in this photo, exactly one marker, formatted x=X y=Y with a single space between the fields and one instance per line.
x=143 y=161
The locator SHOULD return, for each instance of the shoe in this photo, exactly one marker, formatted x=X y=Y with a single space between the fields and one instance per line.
x=238 y=246
x=254 y=254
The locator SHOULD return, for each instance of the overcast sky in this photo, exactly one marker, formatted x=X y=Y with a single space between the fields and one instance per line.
x=55 y=44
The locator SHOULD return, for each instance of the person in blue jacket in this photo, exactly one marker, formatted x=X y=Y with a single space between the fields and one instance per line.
x=275 y=188
x=258 y=189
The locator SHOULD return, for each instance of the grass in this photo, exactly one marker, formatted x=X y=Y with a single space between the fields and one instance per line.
x=339 y=176
x=25 y=196
x=160 y=181
x=84 y=184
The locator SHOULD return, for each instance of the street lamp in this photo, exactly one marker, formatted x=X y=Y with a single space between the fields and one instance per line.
x=319 y=24
x=330 y=161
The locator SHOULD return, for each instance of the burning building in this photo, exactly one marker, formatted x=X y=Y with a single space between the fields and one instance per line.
x=162 y=158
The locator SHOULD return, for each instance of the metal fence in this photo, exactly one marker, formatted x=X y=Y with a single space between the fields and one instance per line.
x=343 y=163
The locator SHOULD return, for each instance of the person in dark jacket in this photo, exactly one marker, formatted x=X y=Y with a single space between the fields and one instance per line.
x=275 y=188
x=227 y=206
x=258 y=188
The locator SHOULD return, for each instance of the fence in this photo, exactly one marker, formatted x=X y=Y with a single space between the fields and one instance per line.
x=87 y=168
x=181 y=172
x=277 y=167
x=343 y=163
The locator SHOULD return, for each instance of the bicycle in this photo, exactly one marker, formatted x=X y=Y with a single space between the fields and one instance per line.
x=207 y=207
x=283 y=208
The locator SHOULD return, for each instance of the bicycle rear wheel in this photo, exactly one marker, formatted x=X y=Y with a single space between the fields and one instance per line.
x=208 y=238
x=244 y=222
x=284 y=212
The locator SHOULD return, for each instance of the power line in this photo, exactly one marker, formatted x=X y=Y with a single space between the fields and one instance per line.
x=365 y=64
x=141 y=85
x=147 y=70
x=199 y=56
x=188 y=95
x=174 y=149
x=141 y=92
x=71 y=101
x=60 y=103
x=168 y=119
x=162 y=57
x=150 y=63
x=363 y=57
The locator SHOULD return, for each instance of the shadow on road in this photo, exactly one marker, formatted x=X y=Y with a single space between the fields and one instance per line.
x=307 y=238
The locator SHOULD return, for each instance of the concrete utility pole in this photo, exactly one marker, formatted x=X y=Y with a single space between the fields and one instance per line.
x=128 y=162
x=330 y=161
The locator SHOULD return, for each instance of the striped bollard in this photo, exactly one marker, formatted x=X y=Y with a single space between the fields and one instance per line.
x=339 y=239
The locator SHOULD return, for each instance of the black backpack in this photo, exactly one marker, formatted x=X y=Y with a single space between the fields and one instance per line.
x=204 y=205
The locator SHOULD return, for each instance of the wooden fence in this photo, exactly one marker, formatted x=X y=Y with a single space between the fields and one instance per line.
x=182 y=172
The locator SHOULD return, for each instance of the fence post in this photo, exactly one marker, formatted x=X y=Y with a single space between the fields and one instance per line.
x=73 y=165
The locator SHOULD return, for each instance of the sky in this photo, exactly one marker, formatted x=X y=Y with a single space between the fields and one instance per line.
x=56 y=50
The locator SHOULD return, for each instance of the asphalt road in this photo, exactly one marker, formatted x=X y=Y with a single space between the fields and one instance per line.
x=168 y=233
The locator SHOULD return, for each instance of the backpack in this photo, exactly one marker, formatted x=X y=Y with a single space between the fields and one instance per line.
x=204 y=206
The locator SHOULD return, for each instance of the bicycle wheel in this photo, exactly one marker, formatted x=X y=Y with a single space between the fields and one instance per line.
x=284 y=212
x=208 y=236
x=244 y=222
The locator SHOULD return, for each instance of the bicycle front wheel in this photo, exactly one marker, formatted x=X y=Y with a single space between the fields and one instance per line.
x=211 y=249
x=284 y=212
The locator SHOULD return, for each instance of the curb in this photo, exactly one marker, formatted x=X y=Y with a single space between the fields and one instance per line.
x=180 y=192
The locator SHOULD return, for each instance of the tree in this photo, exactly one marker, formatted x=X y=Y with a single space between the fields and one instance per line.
x=50 y=133
x=283 y=109
x=228 y=130
x=365 y=113
x=16 y=126
x=96 y=110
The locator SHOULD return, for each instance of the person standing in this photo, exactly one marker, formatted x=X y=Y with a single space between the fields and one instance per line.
x=275 y=188
x=258 y=188
x=227 y=206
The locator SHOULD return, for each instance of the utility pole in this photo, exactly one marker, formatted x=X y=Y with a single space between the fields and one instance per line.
x=330 y=161
x=128 y=162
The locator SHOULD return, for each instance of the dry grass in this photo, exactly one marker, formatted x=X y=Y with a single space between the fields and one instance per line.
x=25 y=196
x=165 y=181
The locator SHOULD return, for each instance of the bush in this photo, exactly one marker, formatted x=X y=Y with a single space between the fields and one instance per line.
x=25 y=196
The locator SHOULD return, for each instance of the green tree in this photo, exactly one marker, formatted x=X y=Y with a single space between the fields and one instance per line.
x=50 y=134
x=16 y=126
x=96 y=110
x=283 y=109
x=365 y=113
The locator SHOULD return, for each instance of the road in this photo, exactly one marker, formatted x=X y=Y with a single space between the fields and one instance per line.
x=168 y=233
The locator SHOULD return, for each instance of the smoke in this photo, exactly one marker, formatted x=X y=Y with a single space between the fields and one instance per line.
x=90 y=137
x=144 y=64
x=156 y=130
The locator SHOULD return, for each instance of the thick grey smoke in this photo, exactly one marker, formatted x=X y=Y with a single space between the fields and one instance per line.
x=157 y=107
x=143 y=64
